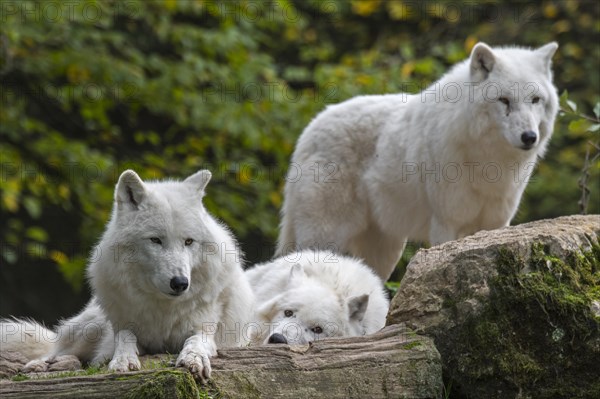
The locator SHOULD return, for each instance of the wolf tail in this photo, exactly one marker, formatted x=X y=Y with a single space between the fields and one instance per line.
x=26 y=336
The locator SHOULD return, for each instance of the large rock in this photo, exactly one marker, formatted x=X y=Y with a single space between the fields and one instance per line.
x=393 y=363
x=513 y=312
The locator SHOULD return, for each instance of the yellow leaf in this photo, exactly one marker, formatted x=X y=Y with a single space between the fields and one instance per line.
x=244 y=176
x=365 y=7
x=58 y=256
x=291 y=33
x=586 y=21
x=77 y=74
x=364 y=80
x=275 y=198
x=171 y=5
x=10 y=202
x=550 y=11
x=401 y=11
x=470 y=42
x=562 y=26
x=573 y=50
x=407 y=69
x=64 y=191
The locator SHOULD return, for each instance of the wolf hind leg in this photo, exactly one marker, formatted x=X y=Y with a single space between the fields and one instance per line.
x=379 y=250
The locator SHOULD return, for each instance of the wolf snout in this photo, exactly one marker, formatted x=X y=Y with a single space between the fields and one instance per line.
x=179 y=284
x=528 y=139
x=277 y=339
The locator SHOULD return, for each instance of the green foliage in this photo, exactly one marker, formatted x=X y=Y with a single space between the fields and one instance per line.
x=20 y=377
x=90 y=88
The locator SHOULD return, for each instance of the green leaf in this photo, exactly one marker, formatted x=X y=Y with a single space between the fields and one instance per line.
x=73 y=270
x=579 y=126
x=597 y=110
x=392 y=286
x=563 y=98
x=9 y=255
x=33 y=207
x=37 y=234
x=594 y=128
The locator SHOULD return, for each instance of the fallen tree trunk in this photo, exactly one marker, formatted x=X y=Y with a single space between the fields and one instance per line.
x=394 y=362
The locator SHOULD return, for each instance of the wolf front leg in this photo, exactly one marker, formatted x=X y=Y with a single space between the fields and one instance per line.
x=125 y=357
x=195 y=355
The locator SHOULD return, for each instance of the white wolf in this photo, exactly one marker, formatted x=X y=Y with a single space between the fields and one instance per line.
x=306 y=296
x=374 y=171
x=166 y=277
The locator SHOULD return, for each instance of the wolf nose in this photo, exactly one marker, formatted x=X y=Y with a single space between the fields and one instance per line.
x=528 y=138
x=179 y=284
x=277 y=339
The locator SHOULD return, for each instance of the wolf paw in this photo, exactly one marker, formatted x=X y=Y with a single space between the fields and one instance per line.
x=196 y=362
x=64 y=363
x=36 y=366
x=124 y=363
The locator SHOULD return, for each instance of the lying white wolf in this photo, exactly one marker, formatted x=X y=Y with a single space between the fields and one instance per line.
x=308 y=295
x=374 y=171
x=166 y=277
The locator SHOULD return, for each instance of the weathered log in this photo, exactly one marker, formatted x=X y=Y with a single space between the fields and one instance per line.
x=166 y=383
x=394 y=362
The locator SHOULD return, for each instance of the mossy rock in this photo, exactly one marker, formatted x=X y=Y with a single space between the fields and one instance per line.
x=513 y=312
x=537 y=332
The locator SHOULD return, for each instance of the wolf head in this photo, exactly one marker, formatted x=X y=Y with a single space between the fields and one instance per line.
x=159 y=229
x=308 y=311
x=514 y=94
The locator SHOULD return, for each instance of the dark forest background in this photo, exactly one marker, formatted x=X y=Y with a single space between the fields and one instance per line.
x=90 y=88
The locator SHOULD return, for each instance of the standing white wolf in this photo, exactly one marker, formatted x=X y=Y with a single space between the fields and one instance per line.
x=166 y=277
x=374 y=171
x=306 y=296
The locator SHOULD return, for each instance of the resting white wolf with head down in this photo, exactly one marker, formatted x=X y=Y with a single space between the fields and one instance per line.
x=166 y=277
x=374 y=171
x=307 y=296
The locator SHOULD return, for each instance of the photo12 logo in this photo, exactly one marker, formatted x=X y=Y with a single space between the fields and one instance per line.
x=454 y=172
x=66 y=11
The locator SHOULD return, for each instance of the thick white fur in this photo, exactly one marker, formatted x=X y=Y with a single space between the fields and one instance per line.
x=337 y=293
x=133 y=310
x=374 y=171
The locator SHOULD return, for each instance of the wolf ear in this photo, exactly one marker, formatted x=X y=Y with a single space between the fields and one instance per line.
x=296 y=272
x=546 y=53
x=357 y=306
x=267 y=310
x=482 y=61
x=199 y=179
x=130 y=190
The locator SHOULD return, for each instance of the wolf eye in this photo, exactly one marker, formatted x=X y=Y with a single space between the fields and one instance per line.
x=188 y=242
x=288 y=313
x=155 y=240
x=317 y=330
x=504 y=101
x=535 y=100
